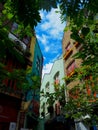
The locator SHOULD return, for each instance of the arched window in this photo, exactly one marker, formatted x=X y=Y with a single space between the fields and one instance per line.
x=71 y=67
x=47 y=87
x=56 y=78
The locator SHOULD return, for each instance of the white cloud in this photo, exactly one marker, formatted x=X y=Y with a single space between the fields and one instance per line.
x=46 y=68
x=44 y=58
x=47 y=48
x=42 y=14
x=55 y=46
x=45 y=26
x=49 y=34
x=50 y=29
x=53 y=23
x=42 y=38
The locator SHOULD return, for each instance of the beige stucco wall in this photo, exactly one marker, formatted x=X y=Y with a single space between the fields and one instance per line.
x=65 y=41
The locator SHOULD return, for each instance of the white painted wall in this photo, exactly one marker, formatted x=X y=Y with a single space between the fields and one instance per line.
x=57 y=66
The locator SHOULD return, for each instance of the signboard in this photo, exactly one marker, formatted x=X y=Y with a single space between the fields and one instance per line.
x=12 y=126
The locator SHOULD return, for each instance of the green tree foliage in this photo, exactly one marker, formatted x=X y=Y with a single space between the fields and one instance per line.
x=47 y=4
x=3 y=73
x=82 y=22
x=82 y=18
x=23 y=12
x=79 y=11
x=26 y=14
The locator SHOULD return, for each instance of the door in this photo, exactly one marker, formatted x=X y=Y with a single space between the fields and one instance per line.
x=4 y=126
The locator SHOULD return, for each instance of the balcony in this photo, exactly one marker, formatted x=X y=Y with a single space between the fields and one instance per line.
x=10 y=91
x=70 y=70
x=21 y=47
x=76 y=44
x=69 y=74
x=17 y=41
x=67 y=54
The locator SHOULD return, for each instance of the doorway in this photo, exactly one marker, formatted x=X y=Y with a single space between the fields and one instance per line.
x=4 y=126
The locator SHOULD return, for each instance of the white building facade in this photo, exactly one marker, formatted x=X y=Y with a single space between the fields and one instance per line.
x=54 y=78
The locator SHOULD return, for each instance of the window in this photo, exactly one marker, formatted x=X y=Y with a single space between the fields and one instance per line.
x=70 y=69
x=57 y=108
x=76 y=44
x=56 y=81
x=38 y=63
x=47 y=87
x=56 y=78
x=68 y=51
x=26 y=39
x=74 y=93
x=68 y=47
x=14 y=28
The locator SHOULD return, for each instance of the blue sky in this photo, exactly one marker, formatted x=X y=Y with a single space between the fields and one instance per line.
x=49 y=35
